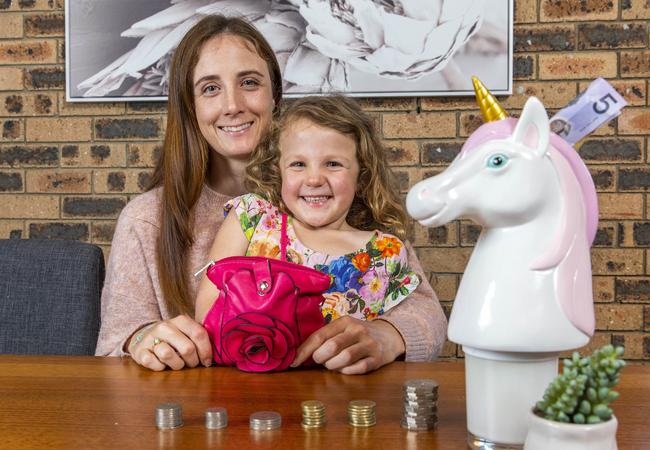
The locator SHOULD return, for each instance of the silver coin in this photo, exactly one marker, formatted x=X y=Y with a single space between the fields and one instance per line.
x=420 y=401
x=266 y=416
x=216 y=418
x=265 y=420
x=265 y=427
x=420 y=398
x=424 y=413
x=415 y=405
x=420 y=391
x=419 y=421
x=420 y=418
x=420 y=406
x=418 y=427
x=419 y=413
x=421 y=383
x=169 y=415
x=265 y=423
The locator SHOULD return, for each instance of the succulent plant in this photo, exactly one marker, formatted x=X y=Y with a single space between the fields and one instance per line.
x=583 y=391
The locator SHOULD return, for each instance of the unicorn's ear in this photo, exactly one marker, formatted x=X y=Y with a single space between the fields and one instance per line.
x=533 y=128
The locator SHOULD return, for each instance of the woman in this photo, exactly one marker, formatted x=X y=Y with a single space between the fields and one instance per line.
x=225 y=85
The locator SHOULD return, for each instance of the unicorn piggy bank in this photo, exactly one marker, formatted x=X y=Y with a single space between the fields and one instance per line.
x=526 y=292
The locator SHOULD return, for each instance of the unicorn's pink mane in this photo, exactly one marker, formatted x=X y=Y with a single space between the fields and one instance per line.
x=568 y=248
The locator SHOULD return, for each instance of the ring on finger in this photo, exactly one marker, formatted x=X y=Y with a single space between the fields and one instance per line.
x=156 y=341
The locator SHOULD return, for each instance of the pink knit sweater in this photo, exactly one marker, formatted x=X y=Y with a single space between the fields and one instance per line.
x=132 y=296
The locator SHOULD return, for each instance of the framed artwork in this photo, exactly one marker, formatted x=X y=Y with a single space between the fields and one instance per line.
x=120 y=50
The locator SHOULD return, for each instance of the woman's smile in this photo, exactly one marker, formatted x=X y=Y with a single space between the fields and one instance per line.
x=236 y=128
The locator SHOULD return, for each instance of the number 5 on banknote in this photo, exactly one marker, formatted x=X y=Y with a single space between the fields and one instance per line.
x=599 y=104
x=603 y=104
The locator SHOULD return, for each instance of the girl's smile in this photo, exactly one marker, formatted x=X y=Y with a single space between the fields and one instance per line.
x=315 y=200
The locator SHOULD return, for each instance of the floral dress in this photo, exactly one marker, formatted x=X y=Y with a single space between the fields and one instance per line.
x=365 y=283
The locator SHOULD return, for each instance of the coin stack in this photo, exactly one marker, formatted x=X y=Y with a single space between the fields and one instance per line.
x=313 y=414
x=169 y=415
x=361 y=413
x=216 y=418
x=420 y=405
x=265 y=420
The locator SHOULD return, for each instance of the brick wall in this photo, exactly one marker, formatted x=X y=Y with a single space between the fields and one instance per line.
x=66 y=170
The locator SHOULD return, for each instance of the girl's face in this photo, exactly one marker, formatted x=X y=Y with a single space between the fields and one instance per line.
x=232 y=95
x=319 y=170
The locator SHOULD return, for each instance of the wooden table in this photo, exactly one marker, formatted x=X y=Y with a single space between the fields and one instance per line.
x=94 y=403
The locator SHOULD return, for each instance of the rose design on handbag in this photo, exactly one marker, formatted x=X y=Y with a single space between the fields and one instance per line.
x=265 y=310
x=252 y=341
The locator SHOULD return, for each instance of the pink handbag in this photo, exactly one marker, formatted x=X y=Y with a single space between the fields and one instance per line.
x=265 y=310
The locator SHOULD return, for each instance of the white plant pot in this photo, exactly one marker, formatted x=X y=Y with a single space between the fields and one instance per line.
x=544 y=434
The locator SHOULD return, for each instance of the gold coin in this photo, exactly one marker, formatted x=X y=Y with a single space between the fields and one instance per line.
x=362 y=404
x=312 y=404
x=364 y=425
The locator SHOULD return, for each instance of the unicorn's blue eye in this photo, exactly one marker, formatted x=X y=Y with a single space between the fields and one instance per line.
x=497 y=161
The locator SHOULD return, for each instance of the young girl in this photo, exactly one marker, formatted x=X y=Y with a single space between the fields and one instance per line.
x=323 y=164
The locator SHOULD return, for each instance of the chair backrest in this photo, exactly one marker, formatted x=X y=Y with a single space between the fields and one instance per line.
x=49 y=296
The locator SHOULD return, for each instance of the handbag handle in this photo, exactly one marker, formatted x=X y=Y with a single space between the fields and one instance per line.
x=284 y=239
x=263 y=270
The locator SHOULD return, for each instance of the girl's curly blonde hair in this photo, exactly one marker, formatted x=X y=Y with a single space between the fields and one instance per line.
x=376 y=204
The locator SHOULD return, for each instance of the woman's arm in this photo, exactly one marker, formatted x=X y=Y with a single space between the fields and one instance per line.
x=133 y=317
x=129 y=299
x=229 y=241
x=419 y=319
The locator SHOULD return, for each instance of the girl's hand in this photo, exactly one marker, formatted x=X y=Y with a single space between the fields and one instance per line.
x=173 y=343
x=352 y=346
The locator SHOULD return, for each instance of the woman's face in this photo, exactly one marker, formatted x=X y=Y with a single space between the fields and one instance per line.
x=232 y=95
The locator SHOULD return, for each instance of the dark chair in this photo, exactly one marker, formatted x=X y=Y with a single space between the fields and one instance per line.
x=49 y=296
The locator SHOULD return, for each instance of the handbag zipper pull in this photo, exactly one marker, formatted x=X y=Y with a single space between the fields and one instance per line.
x=207 y=266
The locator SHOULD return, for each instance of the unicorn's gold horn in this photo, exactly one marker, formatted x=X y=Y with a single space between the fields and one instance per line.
x=490 y=107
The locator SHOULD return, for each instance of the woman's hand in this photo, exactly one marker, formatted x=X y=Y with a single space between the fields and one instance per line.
x=173 y=343
x=352 y=346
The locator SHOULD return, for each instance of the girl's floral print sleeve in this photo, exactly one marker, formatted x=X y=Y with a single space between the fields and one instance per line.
x=367 y=283
x=249 y=209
